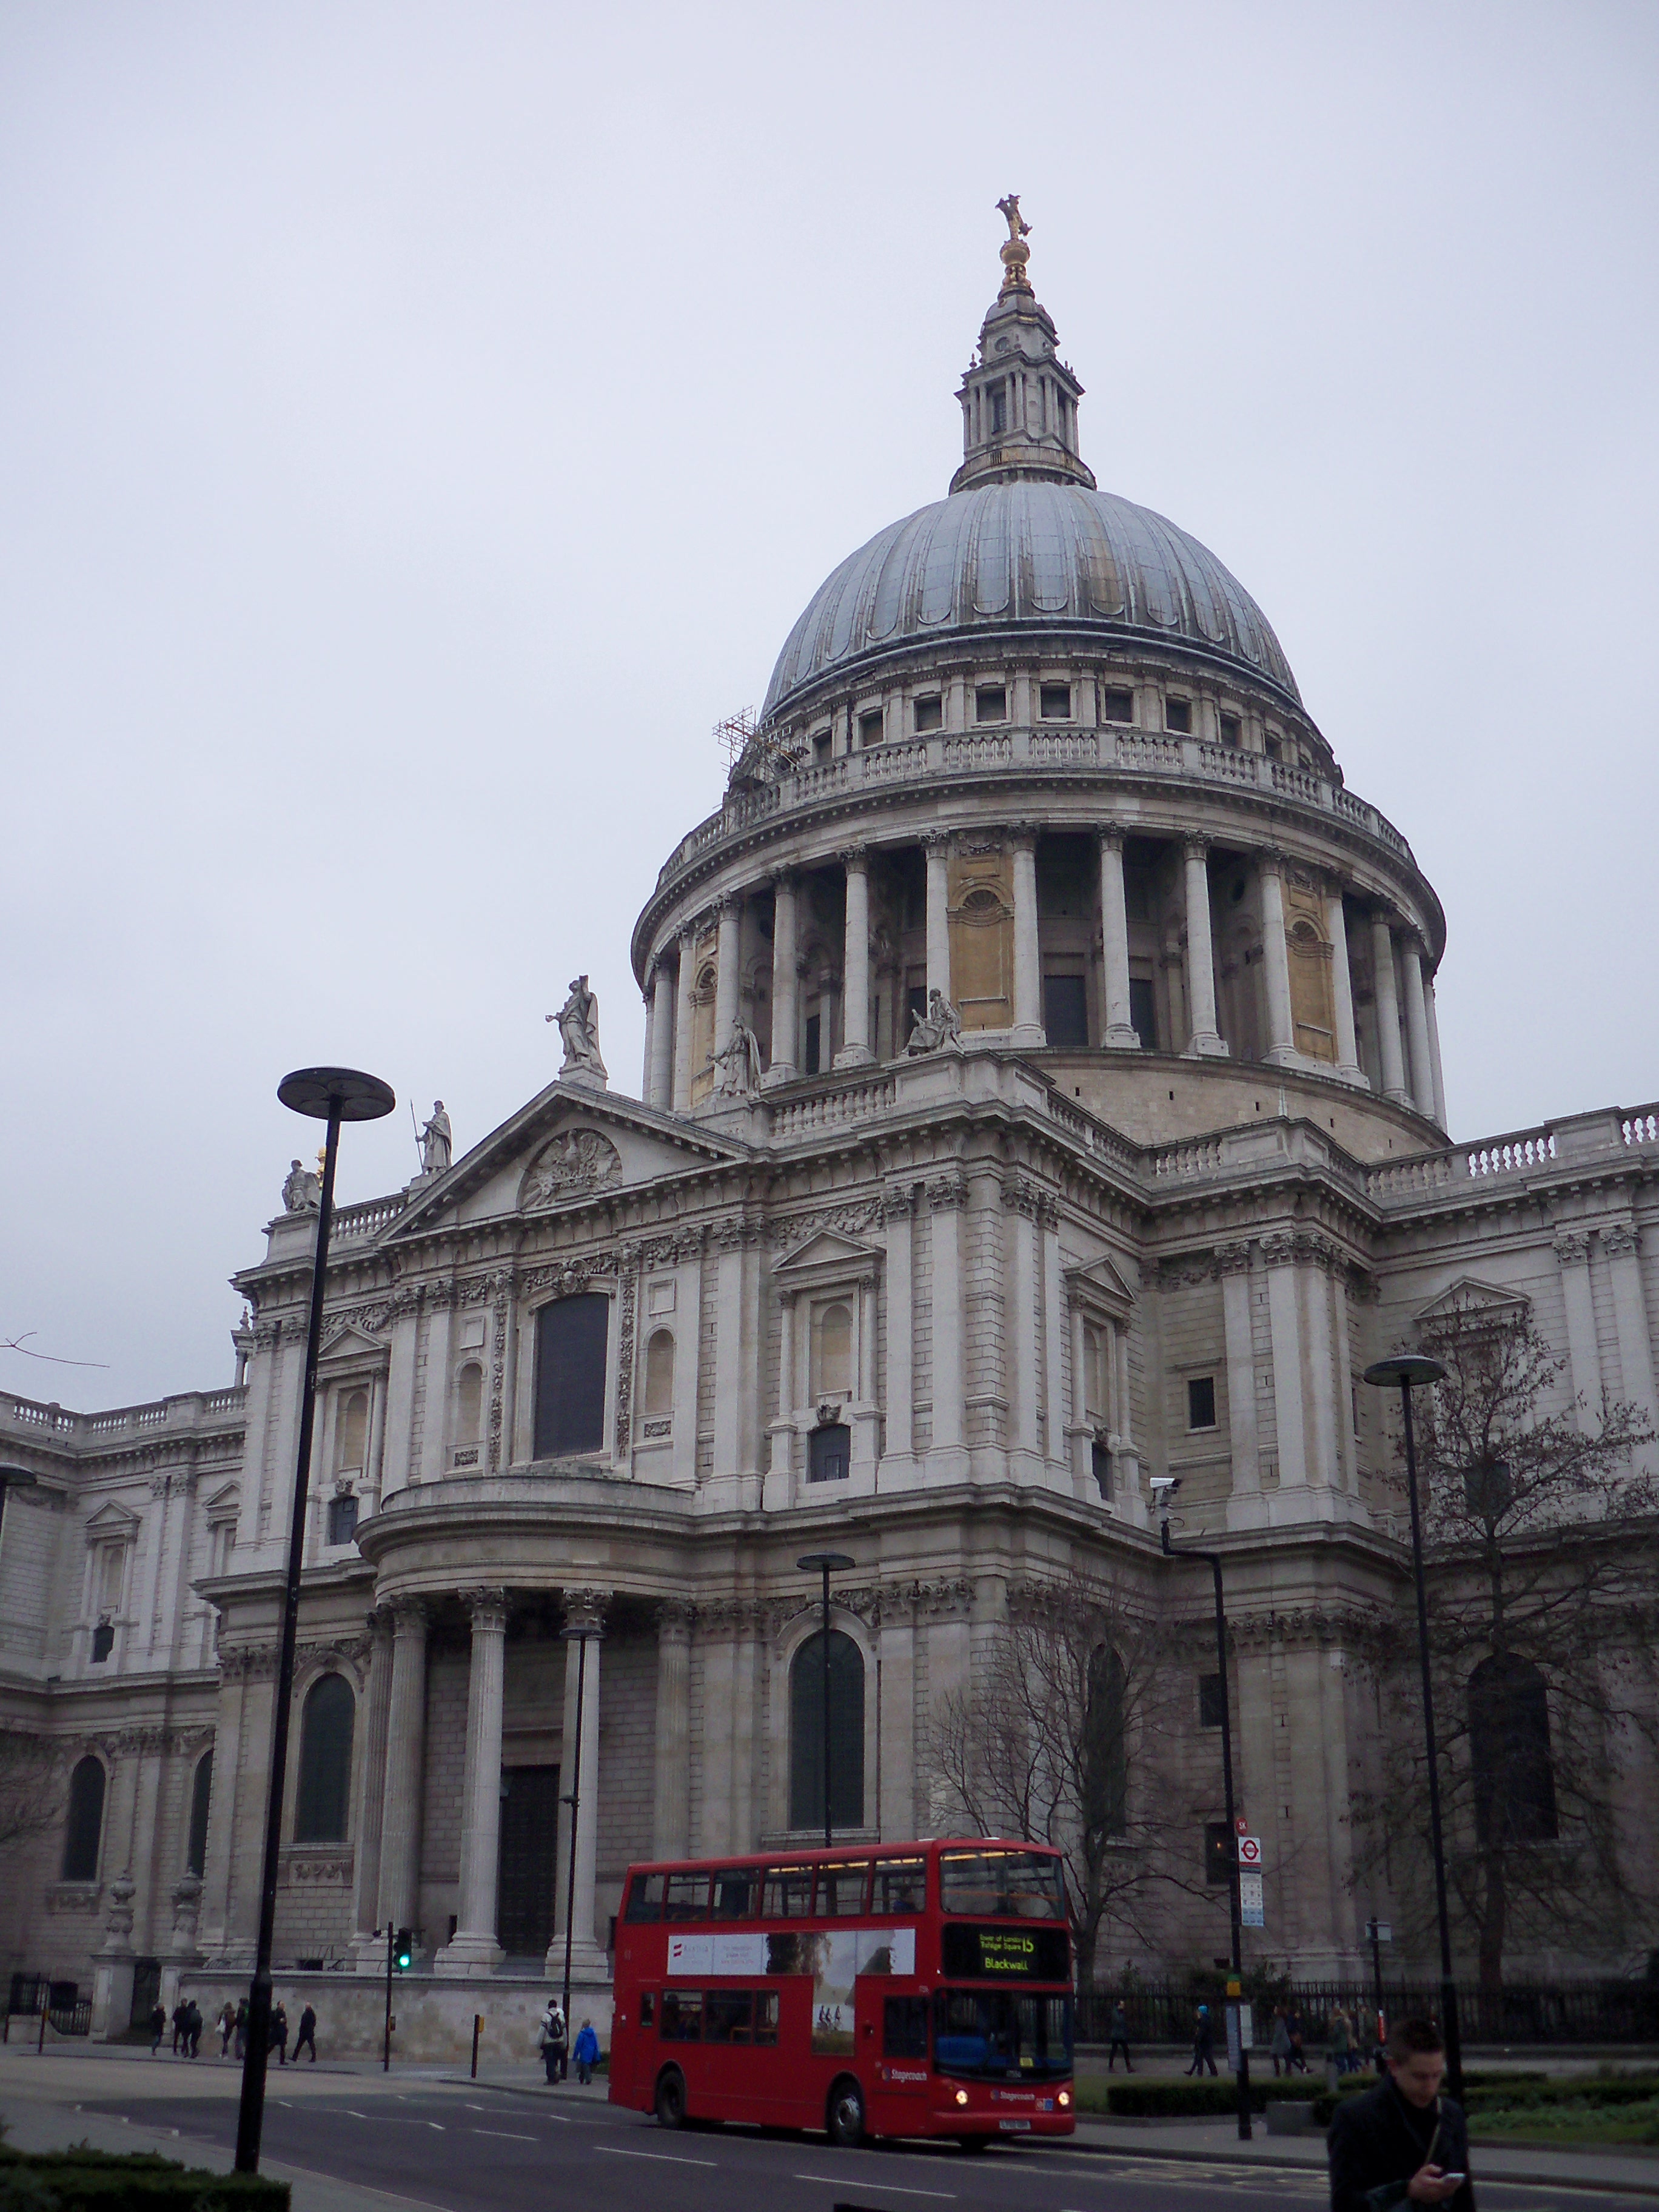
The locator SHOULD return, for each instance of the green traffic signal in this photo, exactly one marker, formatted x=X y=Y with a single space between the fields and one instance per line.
x=405 y=1951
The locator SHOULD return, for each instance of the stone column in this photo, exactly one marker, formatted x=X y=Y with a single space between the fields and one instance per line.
x=1584 y=1354
x=1127 y=1500
x=1623 y=1245
x=937 y=844
x=1054 y=1332
x=661 y=1078
x=1204 y=1040
x=1285 y=1321
x=785 y=981
x=671 y=1799
x=1245 y=1505
x=1417 y=1028
x=1276 y=961
x=1028 y=950
x=782 y=1457
x=1387 y=1013
x=1024 y=1381
x=647 y=1062
x=584 y=1628
x=368 y=1944
x=1348 y=1043
x=898 y=1218
x=729 y=977
x=896 y=1677
x=945 y=1198
x=1324 y=1465
x=855 y=965
x=1434 y=1054
x=1117 y=1028
x=473 y=1949
x=685 y=1020
x=1080 y=1430
x=405 y=1767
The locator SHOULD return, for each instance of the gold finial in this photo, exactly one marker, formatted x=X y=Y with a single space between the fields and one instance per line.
x=1014 y=251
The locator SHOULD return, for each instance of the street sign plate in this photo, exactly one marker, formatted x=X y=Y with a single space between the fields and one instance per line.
x=1242 y=1824
x=1249 y=1850
x=1381 y=1931
x=1250 y=1901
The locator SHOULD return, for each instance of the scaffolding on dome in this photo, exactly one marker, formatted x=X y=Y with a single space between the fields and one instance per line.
x=747 y=748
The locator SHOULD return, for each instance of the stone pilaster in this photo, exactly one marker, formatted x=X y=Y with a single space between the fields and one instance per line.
x=855 y=964
x=1204 y=1040
x=1117 y=1028
x=473 y=1949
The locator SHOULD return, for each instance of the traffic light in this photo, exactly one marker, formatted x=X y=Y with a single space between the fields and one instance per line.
x=404 y=1951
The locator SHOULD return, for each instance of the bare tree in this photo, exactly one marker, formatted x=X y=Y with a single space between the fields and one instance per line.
x=31 y=1787
x=1540 y=1543
x=1045 y=1745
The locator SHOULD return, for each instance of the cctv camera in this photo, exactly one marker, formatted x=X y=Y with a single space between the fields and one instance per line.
x=1164 y=1486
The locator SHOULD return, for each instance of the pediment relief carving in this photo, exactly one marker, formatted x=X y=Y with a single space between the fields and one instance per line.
x=1470 y=1299
x=111 y=1520
x=825 y=1261
x=1100 y=1285
x=569 y=1165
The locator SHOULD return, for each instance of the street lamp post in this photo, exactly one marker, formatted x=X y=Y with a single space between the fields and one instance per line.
x=1234 y=1916
x=1405 y=1372
x=826 y=1563
x=333 y=1095
x=573 y=1797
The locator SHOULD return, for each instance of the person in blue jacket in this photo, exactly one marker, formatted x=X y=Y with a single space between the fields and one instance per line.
x=585 y=2052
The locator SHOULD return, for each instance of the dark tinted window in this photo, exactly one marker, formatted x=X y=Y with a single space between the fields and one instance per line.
x=1178 y=715
x=342 y=1520
x=728 y=2016
x=904 y=2027
x=766 y=2015
x=829 y=1453
x=570 y=1353
x=325 y=1785
x=681 y=2015
x=1217 y=1853
x=1021 y=1885
x=1510 y=1752
x=842 y=1890
x=737 y=1893
x=687 y=1897
x=1141 y=1014
x=1100 y=1460
x=900 y=1886
x=1118 y=706
x=1065 y=1010
x=84 y=1828
x=1200 y=1401
x=1209 y=1703
x=647 y=2008
x=991 y=703
x=929 y=712
x=814 y=1030
x=1054 y=702
x=788 y=1893
x=806 y=1697
x=201 y=1795
x=103 y=1643
x=869 y=727
x=644 y=1899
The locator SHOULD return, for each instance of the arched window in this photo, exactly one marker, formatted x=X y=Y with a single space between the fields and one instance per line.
x=571 y=1338
x=468 y=1403
x=846 y=1733
x=351 y=1436
x=201 y=1795
x=84 y=1830
x=659 y=1372
x=832 y=1332
x=1509 y=1752
x=320 y=1803
x=1105 y=1763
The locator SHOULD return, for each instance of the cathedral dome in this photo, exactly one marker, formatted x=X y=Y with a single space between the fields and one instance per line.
x=1019 y=552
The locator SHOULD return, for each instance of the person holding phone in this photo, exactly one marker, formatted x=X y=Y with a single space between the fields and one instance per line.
x=1402 y=2143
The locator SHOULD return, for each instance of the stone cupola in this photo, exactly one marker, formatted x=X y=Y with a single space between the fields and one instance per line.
x=1020 y=400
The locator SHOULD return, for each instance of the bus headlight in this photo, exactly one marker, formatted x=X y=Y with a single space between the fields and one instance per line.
x=962 y=2096
x=1064 y=2100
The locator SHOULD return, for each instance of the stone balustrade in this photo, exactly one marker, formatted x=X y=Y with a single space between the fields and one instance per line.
x=348 y=1221
x=191 y=1410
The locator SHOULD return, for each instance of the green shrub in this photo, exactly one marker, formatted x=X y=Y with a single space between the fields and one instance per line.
x=1197 y=2098
x=83 y=2180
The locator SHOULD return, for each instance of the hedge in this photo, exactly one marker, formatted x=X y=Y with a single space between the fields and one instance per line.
x=1201 y=2099
x=83 y=2180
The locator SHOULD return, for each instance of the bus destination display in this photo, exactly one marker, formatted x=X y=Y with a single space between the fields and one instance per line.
x=1005 y=1954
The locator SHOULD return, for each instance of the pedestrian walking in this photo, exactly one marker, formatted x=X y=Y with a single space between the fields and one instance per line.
x=1120 y=2040
x=158 y=2025
x=1341 y=2042
x=308 y=2034
x=279 y=2034
x=193 y=2025
x=178 y=2025
x=1298 y=2058
x=585 y=2052
x=1203 y=2043
x=1278 y=2048
x=227 y=2026
x=241 y=2029
x=550 y=2039
x=1402 y=2141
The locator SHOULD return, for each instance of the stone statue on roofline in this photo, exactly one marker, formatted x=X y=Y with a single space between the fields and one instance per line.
x=437 y=1144
x=939 y=1026
x=301 y=1192
x=579 y=1026
x=737 y=1066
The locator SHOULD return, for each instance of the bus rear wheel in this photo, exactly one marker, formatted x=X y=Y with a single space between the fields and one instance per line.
x=974 y=2142
x=671 y=2098
x=845 y=2117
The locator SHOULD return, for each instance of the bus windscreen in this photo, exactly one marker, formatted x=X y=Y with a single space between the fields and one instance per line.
x=1000 y=2035
x=1001 y=1884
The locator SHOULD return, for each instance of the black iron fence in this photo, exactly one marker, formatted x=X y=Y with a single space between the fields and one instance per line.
x=1527 y=2012
x=65 y=2008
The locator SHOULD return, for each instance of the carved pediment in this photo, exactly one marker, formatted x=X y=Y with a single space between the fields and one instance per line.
x=349 y=1344
x=571 y=1165
x=1100 y=1285
x=111 y=1520
x=1469 y=1299
x=826 y=1258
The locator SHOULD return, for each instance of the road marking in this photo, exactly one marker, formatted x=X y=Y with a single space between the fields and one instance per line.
x=666 y=2157
x=355 y=2116
x=892 y=2188
x=436 y=2124
x=505 y=2135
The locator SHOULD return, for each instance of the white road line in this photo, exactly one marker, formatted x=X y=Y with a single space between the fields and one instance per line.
x=350 y=2115
x=506 y=2134
x=666 y=2157
x=890 y=2188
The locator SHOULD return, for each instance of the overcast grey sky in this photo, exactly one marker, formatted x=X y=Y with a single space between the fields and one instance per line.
x=421 y=423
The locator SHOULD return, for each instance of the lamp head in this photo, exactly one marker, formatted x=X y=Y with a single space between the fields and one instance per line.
x=1406 y=1368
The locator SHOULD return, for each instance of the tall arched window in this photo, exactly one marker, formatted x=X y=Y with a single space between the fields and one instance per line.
x=351 y=1436
x=659 y=1372
x=1105 y=1763
x=201 y=1793
x=468 y=1403
x=324 y=1790
x=846 y=1733
x=832 y=1346
x=1509 y=1752
x=571 y=1340
x=84 y=1830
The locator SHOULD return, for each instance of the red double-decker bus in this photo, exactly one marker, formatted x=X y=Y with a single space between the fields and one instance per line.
x=893 y=1990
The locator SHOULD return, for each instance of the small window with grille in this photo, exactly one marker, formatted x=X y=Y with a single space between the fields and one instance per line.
x=1178 y=716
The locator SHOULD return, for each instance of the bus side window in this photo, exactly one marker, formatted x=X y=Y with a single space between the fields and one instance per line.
x=687 y=1898
x=904 y=2027
x=901 y=1886
x=788 y=1893
x=736 y=1893
x=766 y=2016
x=728 y=2016
x=842 y=1890
x=681 y=2015
x=647 y=2007
x=644 y=1899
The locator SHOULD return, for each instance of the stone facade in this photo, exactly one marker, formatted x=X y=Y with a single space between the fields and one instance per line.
x=1183 y=1173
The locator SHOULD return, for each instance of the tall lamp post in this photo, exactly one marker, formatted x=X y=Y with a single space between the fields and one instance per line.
x=573 y=1797
x=1405 y=1372
x=826 y=1563
x=1166 y=1491
x=333 y=1095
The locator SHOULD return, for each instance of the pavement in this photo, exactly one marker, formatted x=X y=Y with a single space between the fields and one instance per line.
x=432 y=2140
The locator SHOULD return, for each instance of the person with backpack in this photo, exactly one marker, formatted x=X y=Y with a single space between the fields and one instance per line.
x=308 y=2034
x=585 y=2052
x=1119 y=2039
x=551 y=2040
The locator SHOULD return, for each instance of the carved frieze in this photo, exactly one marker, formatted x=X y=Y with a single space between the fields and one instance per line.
x=570 y=1166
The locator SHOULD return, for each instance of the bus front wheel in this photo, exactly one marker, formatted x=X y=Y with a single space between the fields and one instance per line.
x=845 y=2120
x=671 y=2098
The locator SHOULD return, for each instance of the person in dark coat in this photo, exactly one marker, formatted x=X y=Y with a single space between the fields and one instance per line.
x=1120 y=2040
x=1203 y=2043
x=178 y=2015
x=279 y=2042
x=308 y=2034
x=1402 y=2143
x=193 y=2025
x=158 y=2025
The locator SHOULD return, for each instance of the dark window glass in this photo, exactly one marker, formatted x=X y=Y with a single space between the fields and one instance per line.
x=687 y=1897
x=1229 y=729
x=1272 y=747
x=869 y=727
x=991 y=703
x=788 y=1893
x=916 y=1007
x=842 y=1890
x=1142 y=1013
x=84 y=1827
x=1105 y=1776
x=904 y=2027
x=1118 y=706
x=1066 y=1010
x=342 y=1520
x=1100 y=1461
x=571 y=1337
x=325 y=1786
x=822 y=744
x=930 y=712
x=814 y=1028
x=900 y=1886
x=1178 y=716
x=728 y=2016
x=737 y=1893
x=1002 y=1884
x=647 y=2008
x=998 y=410
x=829 y=1453
x=1200 y=1401
x=527 y=1860
x=1054 y=702
x=766 y=2015
x=644 y=1899
x=681 y=2015
x=846 y=1667
x=1210 y=1703
x=103 y=1643
x=201 y=1793
x=1217 y=1853
x=1509 y=1753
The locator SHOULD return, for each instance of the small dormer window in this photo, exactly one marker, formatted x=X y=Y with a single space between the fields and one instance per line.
x=930 y=712
x=821 y=744
x=1054 y=702
x=1178 y=716
x=869 y=727
x=1272 y=746
x=998 y=409
x=1117 y=705
x=1229 y=730
x=991 y=703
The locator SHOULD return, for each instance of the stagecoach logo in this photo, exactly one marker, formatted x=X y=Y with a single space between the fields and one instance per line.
x=904 y=2073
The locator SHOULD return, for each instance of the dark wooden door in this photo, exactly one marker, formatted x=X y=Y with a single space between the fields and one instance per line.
x=530 y=1842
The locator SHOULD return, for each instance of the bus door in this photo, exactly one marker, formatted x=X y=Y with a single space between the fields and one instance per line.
x=893 y=2033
